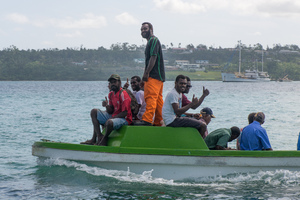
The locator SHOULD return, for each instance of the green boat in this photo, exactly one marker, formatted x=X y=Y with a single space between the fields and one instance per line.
x=170 y=153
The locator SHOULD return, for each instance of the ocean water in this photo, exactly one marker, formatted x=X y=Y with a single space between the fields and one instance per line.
x=59 y=111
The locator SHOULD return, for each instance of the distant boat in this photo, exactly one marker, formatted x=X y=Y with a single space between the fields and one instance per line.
x=285 y=79
x=248 y=76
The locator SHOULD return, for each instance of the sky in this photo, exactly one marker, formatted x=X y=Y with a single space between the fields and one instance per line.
x=38 y=24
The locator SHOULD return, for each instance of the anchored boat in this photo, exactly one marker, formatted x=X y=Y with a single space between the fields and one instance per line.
x=172 y=153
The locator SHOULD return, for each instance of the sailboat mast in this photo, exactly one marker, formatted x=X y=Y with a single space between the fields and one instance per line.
x=262 y=58
x=240 y=57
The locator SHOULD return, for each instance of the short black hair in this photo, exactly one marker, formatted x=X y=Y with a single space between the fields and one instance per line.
x=251 y=117
x=137 y=78
x=188 y=78
x=180 y=77
x=235 y=131
x=149 y=24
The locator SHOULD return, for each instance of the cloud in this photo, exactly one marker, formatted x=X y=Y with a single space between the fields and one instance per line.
x=126 y=19
x=180 y=6
x=281 y=8
x=88 y=21
x=265 y=8
x=17 y=18
x=70 y=35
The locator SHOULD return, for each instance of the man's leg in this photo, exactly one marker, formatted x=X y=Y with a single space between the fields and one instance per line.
x=98 y=117
x=110 y=125
x=159 y=104
x=189 y=122
x=151 y=93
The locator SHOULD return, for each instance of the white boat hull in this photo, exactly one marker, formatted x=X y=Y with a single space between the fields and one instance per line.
x=173 y=167
x=228 y=77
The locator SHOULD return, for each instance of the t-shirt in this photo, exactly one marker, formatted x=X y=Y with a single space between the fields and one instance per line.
x=167 y=111
x=254 y=137
x=218 y=137
x=121 y=103
x=185 y=100
x=139 y=95
x=153 y=48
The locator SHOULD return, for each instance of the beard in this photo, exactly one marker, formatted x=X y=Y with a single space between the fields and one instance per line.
x=114 y=88
x=146 y=34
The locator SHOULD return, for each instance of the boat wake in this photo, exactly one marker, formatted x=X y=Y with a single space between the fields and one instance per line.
x=284 y=178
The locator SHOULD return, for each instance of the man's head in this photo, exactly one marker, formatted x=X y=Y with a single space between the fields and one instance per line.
x=180 y=83
x=146 y=30
x=235 y=133
x=115 y=82
x=207 y=114
x=135 y=83
x=251 y=117
x=188 y=86
x=259 y=117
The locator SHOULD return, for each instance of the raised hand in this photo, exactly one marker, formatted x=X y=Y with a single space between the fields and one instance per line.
x=105 y=102
x=194 y=100
x=205 y=91
x=126 y=85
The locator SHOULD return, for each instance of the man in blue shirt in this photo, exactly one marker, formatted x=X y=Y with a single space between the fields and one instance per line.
x=254 y=136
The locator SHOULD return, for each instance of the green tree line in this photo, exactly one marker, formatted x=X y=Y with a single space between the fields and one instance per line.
x=98 y=64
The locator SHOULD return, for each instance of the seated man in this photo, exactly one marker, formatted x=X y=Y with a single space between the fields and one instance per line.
x=135 y=83
x=205 y=117
x=172 y=108
x=117 y=114
x=218 y=139
x=254 y=136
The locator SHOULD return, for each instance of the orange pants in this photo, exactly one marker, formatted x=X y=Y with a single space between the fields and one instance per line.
x=153 y=90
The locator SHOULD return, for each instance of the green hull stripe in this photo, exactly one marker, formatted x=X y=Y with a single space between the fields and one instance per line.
x=161 y=141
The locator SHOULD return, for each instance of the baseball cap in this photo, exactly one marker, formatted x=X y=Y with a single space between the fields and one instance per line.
x=207 y=111
x=114 y=76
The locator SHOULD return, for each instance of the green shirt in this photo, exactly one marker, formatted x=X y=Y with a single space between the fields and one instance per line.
x=218 y=137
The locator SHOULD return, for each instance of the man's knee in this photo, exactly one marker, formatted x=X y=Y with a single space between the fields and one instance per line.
x=109 y=123
x=94 y=112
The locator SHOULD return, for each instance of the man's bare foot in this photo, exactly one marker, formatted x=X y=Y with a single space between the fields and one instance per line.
x=88 y=142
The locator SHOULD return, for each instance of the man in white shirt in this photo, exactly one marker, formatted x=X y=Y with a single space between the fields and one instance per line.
x=172 y=108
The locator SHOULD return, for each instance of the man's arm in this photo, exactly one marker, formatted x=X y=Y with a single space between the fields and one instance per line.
x=121 y=115
x=179 y=111
x=109 y=108
x=149 y=67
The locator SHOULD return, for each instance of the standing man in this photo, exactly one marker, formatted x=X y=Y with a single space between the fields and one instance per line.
x=117 y=114
x=172 y=109
x=254 y=136
x=154 y=77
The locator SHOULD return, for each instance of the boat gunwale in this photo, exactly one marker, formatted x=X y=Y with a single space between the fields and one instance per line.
x=166 y=151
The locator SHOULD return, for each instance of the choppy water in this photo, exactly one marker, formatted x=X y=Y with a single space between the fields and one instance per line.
x=30 y=111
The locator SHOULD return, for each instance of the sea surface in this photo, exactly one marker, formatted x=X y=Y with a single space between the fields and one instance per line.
x=59 y=111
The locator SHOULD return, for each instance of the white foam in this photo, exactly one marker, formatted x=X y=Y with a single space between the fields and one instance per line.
x=273 y=178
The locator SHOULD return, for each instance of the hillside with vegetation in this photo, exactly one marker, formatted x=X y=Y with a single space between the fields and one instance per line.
x=127 y=60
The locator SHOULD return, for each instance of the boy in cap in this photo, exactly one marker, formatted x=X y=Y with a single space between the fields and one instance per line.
x=205 y=116
x=117 y=114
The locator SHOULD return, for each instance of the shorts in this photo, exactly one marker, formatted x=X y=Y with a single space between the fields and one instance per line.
x=103 y=116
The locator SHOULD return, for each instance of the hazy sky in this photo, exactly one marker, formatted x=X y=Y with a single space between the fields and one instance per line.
x=38 y=24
